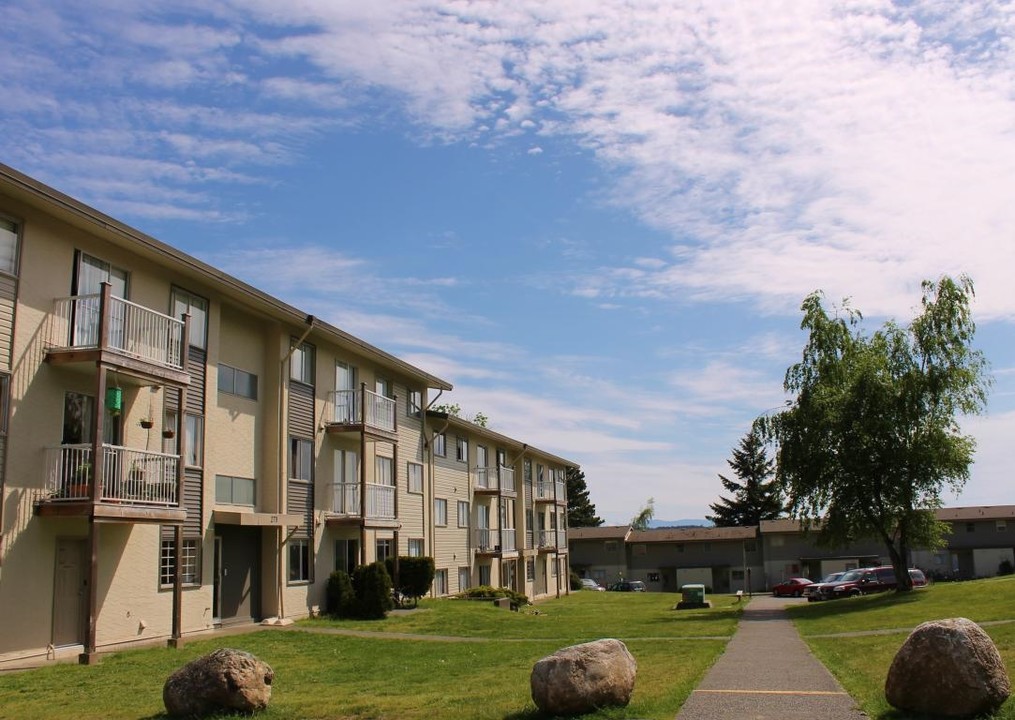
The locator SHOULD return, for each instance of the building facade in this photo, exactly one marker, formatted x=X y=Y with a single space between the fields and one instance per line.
x=181 y=451
x=980 y=543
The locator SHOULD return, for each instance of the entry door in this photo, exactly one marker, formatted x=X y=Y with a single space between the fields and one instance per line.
x=345 y=397
x=69 y=587
x=91 y=273
x=239 y=576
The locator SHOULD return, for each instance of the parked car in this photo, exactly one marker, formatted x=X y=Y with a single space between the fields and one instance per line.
x=870 y=580
x=628 y=586
x=813 y=591
x=794 y=587
x=590 y=584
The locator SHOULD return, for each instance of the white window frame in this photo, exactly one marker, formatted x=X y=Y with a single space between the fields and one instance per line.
x=463 y=513
x=415 y=547
x=440 y=512
x=414 y=477
x=303 y=572
x=440 y=445
x=10 y=242
x=190 y=572
x=440 y=582
x=184 y=301
x=461 y=448
x=301 y=364
x=384 y=470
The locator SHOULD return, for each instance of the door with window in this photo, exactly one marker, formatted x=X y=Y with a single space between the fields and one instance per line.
x=483 y=526
x=345 y=393
x=345 y=490
x=89 y=275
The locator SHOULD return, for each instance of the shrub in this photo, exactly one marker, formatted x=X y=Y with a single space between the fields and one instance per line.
x=415 y=576
x=372 y=585
x=576 y=582
x=485 y=592
x=1005 y=568
x=341 y=600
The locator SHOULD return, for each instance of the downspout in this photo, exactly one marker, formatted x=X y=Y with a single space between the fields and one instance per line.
x=280 y=498
x=432 y=466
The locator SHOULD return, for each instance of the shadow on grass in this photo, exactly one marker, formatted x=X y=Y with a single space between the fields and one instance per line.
x=845 y=606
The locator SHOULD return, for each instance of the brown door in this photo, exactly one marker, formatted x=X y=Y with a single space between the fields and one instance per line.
x=69 y=588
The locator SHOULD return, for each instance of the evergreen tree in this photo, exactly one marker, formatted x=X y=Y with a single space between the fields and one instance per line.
x=756 y=497
x=581 y=512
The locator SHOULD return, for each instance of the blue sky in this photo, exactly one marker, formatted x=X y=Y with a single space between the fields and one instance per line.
x=597 y=219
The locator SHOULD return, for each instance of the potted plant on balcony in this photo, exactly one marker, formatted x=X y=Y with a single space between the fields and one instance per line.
x=80 y=485
x=147 y=423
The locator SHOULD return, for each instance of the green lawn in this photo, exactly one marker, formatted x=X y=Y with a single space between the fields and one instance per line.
x=336 y=676
x=861 y=663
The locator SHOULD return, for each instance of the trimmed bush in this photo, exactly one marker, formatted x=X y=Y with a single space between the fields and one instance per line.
x=576 y=582
x=372 y=585
x=415 y=576
x=341 y=600
x=485 y=592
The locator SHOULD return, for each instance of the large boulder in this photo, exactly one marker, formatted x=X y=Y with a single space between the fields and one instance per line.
x=582 y=678
x=948 y=668
x=221 y=681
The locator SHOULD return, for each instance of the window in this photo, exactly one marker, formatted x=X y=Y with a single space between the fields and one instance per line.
x=197 y=307
x=530 y=570
x=415 y=403
x=440 y=511
x=553 y=569
x=384 y=470
x=234 y=490
x=385 y=549
x=9 y=231
x=464 y=579
x=346 y=555
x=299 y=560
x=778 y=541
x=382 y=387
x=414 y=473
x=610 y=546
x=193 y=429
x=680 y=547
x=750 y=546
x=462 y=449
x=189 y=574
x=970 y=527
x=1001 y=526
x=527 y=471
x=737 y=575
x=301 y=364
x=484 y=575
x=463 y=514
x=639 y=549
x=440 y=582
x=170 y=442
x=439 y=445
x=301 y=459
x=415 y=547
x=237 y=382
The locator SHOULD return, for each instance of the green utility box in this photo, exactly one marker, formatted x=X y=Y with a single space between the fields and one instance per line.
x=693 y=597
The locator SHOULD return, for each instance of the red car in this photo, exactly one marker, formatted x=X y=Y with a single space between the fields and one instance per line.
x=794 y=587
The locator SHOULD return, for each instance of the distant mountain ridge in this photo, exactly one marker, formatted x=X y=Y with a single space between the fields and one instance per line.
x=686 y=522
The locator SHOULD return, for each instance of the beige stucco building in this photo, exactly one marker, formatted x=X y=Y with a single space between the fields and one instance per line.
x=181 y=451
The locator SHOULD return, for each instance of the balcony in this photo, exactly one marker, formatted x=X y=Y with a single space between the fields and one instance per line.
x=346 y=505
x=494 y=542
x=492 y=481
x=361 y=410
x=549 y=540
x=551 y=492
x=136 y=484
x=117 y=332
x=507 y=480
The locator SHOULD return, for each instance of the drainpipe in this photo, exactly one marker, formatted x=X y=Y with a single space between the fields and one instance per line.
x=430 y=486
x=280 y=496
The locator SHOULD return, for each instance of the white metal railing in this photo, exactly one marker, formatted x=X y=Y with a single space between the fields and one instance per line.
x=507 y=479
x=550 y=491
x=507 y=540
x=131 y=329
x=546 y=538
x=562 y=539
x=345 y=500
x=484 y=537
x=348 y=409
x=484 y=478
x=137 y=477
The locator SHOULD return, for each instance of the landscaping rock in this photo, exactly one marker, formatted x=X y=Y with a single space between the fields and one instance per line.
x=948 y=668
x=582 y=678
x=223 y=680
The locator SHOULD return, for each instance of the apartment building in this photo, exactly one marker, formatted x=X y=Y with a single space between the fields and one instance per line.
x=981 y=542
x=503 y=500
x=181 y=451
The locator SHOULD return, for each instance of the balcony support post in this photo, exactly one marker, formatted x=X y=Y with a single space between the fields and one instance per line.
x=90 y=655
x=363 y=479
x=176 y=640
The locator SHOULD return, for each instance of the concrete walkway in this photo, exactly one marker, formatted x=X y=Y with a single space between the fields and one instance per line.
x=768 y=672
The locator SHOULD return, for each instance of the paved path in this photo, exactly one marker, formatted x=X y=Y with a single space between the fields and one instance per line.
x=768 y=672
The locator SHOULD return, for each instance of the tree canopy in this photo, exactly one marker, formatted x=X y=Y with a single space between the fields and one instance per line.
x=455 y=410
x=643 y=519
x=581 y=511
x=872 y=436
x=757 y=496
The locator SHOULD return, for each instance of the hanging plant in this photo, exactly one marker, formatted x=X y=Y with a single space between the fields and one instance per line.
x=168 y=434
x=147 y=424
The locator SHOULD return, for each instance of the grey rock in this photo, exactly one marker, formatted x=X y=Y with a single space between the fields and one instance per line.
x=948 y=668
x=582 y=678
x=223 y=680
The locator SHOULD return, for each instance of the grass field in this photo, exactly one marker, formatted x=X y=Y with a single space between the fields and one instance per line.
x=861 y=663
x=324 y=675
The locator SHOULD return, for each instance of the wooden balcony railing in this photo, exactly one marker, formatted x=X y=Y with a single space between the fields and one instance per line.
x=131 y=476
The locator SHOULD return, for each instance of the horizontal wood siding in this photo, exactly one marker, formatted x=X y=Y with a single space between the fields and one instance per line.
x=300 y=500
x=197 y=366
x=301 y=410
x=8 y=293
x=193 y=492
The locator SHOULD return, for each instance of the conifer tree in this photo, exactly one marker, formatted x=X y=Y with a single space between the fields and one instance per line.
x=581 y=512
x=756 y=496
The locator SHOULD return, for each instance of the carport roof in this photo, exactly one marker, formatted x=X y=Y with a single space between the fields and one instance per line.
x=692 y=534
